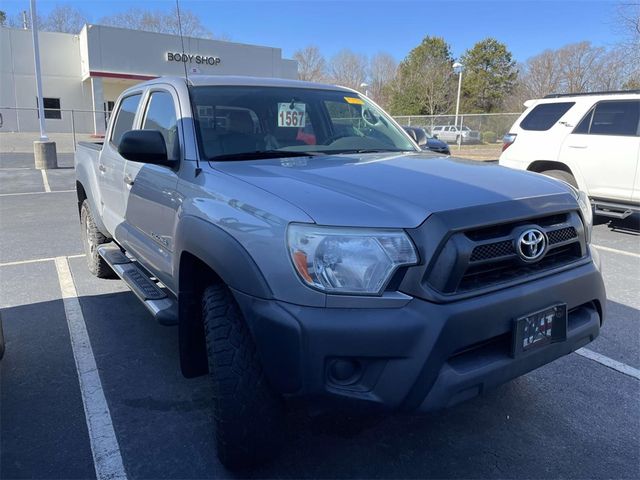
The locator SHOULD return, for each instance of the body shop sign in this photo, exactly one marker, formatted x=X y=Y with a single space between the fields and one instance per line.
x=189 y=58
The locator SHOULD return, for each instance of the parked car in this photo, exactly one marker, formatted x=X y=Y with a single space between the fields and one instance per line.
x=307 y=249
x=427 y=141
x=452 y=133
x=591 y=141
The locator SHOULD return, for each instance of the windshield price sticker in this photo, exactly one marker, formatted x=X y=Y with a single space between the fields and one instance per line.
x=291 y=114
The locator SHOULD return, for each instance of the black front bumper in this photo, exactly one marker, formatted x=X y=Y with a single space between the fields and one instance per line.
x=422 y=356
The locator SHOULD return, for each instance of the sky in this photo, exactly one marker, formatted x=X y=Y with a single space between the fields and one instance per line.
x=395 y=27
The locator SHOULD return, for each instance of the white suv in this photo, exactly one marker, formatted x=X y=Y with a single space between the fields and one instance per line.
x=591 y=141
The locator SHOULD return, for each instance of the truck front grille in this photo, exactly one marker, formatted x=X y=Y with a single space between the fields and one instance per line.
x=487 y=256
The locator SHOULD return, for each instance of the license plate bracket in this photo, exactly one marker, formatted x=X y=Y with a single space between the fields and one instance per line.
x=539 y=328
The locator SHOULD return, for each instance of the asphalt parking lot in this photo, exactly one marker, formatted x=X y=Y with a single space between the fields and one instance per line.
x=578 y=417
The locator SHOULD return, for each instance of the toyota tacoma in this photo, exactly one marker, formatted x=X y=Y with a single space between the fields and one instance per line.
x=307 y=249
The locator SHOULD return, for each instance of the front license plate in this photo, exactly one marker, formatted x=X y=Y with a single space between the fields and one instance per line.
x=539 y=328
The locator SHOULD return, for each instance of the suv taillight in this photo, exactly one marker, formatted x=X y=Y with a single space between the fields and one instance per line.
x=507 y=140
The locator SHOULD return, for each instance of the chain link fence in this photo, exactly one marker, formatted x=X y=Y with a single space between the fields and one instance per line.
x=492 y=126
x=19 y=127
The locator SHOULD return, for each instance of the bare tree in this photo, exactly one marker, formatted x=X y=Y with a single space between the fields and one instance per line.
x=311 y=64
x=348 y=69
x=628 y=24
x=159 y=21
x=541 y=74
x=579 y=62
x=63 y=18
x=382 y=71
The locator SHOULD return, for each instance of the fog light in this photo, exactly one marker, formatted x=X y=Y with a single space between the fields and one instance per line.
x=345 y=371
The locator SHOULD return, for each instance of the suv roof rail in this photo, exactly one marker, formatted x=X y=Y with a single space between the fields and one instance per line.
x=607 y=92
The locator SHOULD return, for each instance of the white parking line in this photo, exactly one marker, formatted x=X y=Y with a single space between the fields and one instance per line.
x=45 y=181
x=609 y=362
x=34 y=193
x=102 y=437
x=615 y=250
x=37 y=260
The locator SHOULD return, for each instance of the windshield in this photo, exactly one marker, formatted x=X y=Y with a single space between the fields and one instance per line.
x=236 y=122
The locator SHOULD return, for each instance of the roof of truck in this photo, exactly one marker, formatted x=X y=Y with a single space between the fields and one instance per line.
x=234 y=80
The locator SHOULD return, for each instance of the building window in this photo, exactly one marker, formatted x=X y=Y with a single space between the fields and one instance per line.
x=51 y=108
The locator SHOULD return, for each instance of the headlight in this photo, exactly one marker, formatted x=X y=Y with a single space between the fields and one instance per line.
x=348 y=260
x=587 y=213
x=585 y=208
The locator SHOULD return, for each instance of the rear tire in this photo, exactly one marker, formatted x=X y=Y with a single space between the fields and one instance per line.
x=248 y=414
x=91 y=239
x=561 y=175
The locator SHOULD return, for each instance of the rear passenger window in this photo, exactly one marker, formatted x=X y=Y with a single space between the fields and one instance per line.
x=124 y=119
x=545 y=115
x=615 y=118
x=161 y=116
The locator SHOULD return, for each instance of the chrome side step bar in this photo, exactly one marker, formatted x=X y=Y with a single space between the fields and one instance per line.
x=158 y=302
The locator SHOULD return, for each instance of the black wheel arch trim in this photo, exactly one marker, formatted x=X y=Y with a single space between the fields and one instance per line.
x=226 y=260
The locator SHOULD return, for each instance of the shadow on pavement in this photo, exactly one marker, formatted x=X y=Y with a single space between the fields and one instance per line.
x=630 y=225
x=163 y=421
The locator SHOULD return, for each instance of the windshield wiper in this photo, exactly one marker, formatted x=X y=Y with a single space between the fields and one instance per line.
x=263 y=154
x=373 y=150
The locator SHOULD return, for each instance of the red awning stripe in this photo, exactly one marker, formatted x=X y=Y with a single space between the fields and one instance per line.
x=126 y=76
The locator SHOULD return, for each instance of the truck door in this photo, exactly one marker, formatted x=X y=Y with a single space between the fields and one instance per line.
x=604 y=149
x=152 y=200
x=636 y=183
x=111 y=167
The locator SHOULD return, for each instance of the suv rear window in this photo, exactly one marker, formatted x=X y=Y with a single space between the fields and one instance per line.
x=545 y=115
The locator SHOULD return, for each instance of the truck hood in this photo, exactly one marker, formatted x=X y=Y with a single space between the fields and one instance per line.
x=387 y=190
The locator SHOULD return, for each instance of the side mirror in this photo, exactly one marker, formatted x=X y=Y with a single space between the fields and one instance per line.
x=144 y=146
x=412 y=134
x=434 y=135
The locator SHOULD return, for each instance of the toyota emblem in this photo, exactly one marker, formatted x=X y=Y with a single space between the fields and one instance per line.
x=531 y=245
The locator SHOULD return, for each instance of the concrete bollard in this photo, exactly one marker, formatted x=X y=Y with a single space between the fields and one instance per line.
x=45 y=154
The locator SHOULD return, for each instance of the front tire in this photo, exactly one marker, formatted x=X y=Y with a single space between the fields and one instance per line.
x=248 y=414
x=91 y=239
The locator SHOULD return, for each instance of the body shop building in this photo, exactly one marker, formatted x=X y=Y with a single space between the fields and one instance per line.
x=87 y=72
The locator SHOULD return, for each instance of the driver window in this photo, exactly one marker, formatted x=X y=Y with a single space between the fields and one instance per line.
x=161 y=116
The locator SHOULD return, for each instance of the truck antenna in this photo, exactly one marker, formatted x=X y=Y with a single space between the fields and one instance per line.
x=186 y=75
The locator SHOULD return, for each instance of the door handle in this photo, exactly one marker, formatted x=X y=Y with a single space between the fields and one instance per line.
x=577 y=146
x=128 y=180
x=102 y=168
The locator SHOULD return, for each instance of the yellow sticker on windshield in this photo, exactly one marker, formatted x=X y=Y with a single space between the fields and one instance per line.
x=354 y=100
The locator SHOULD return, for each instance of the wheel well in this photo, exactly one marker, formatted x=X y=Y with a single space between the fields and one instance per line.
x=82 y=195
x=540 y=166
x=194 y=276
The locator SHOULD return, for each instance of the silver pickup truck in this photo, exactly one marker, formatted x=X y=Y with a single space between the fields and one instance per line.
x=306 y=248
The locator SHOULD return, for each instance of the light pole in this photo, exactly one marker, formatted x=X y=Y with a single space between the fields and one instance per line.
x=457 y=68
x=44 y=150
x=366 y=88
